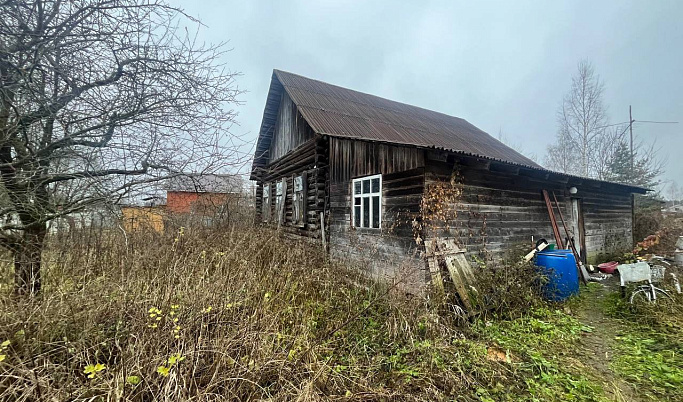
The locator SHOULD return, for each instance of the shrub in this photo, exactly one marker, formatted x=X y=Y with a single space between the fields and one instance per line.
x=509 y=287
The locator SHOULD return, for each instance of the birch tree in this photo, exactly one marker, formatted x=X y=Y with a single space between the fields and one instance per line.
x=581 y=119
x=98 y=97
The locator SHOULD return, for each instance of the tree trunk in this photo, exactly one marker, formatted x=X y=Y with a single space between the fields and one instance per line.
x=27 y=259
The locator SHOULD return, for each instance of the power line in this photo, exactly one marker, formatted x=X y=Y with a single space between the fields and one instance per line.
x=657 y=122
x=611 y=125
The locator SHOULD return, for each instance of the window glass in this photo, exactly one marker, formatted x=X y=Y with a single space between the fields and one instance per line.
x=298 y=183
x=366 y=186
x=357 y=215
x=375 y=185
x=356 y=187
x=366 y=212
x=356 y=201
x=298 y=200
x=375 y=212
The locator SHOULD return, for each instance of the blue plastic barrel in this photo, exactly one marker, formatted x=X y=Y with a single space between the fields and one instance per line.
x=559 y=267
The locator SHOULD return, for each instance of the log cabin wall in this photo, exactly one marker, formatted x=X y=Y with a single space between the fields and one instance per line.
x=389 y=252
x=294 y=150
x=608 y=221
x=501 y=208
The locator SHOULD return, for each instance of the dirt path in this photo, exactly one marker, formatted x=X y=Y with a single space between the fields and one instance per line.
x=596 y=351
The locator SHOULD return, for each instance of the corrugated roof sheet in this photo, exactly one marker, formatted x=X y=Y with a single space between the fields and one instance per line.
x=340 y=112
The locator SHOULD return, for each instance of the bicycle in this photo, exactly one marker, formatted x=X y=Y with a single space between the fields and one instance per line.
x=645 y=293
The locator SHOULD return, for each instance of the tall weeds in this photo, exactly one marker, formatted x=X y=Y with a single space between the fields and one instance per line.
x=222 y=315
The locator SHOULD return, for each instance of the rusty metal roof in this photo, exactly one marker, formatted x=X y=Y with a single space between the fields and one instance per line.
x=340 y=112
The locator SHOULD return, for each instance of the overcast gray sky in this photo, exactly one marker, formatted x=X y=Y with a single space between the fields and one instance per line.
x=503 y=66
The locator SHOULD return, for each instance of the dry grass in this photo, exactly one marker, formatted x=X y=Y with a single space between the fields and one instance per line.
x=241 y=315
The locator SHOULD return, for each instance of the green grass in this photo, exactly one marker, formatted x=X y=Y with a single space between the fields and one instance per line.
x=541 y=345
x=648 y=347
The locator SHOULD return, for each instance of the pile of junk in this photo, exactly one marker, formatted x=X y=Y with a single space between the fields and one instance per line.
x=564 y=269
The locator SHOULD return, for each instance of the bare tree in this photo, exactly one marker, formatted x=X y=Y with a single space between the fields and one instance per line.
x=582 y=119
x=605 y=150
x=516 y=146
x=99 y=97
x=561 y=156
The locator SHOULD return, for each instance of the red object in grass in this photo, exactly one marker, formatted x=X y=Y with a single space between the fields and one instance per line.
x=608 y=267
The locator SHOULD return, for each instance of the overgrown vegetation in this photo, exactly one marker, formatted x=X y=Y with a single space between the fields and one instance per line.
x=648 y=349
x=238 y=315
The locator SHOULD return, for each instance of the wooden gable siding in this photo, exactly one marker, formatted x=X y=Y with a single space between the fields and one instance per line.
x=290 y=131
x=350 y=159
x=389 y=252
x=502 y=209
x=294 y=150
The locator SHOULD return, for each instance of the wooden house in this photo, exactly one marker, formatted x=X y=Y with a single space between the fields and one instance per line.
x=352 y=170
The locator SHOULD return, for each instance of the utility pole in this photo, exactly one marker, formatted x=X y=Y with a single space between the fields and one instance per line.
x=630 y=128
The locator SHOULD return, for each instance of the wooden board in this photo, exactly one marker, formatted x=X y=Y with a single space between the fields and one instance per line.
x=433 y=267
x=459 y=269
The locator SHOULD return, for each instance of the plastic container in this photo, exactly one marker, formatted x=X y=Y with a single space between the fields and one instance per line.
x=559 y=267
x=608 y=267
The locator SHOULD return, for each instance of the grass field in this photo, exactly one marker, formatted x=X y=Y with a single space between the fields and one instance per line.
x=241 y=314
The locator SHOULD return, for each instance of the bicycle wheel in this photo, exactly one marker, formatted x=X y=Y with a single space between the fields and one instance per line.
x=664 y=299
x=651 y=297
x=642 y=295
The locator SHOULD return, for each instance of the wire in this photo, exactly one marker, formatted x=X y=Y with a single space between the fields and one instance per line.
x=615 y=124
x=658 y=122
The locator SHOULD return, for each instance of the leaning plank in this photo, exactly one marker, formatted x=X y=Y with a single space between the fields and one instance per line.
x=459 y=269
x=433 y=266
x=453 y=257
x=322 y=231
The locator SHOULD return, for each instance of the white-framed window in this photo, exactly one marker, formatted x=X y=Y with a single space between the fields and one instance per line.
x=298 y=199
x=280 y=200
x=367 y=202
x=265 y=208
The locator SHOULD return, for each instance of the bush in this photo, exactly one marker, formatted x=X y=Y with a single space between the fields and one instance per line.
x=510 y=287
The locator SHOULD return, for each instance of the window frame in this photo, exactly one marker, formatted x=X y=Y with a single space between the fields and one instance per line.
x=299 y=196
x=265 y=203
x=369 y=195
x=280 y=200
